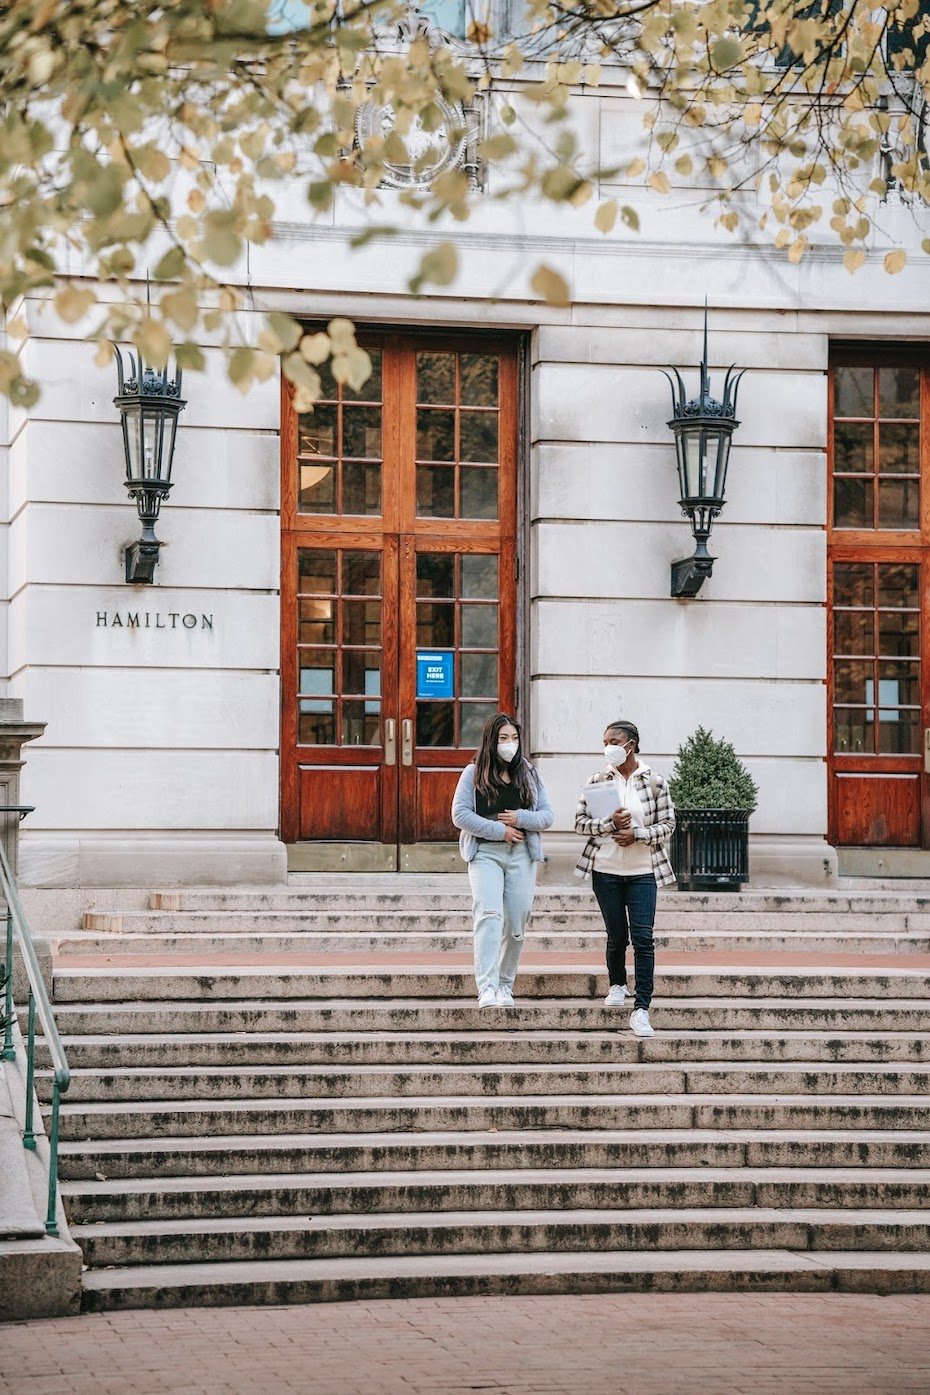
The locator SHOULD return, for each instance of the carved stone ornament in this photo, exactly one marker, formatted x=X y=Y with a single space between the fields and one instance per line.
x=451 y=145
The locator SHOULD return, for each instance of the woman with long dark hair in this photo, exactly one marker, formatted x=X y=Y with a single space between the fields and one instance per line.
x=501 y=807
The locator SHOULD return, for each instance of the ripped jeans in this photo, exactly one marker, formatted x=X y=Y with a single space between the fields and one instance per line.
x=503 y=883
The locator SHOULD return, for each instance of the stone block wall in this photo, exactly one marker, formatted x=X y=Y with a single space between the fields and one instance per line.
x=747 y=657
x=159 y=761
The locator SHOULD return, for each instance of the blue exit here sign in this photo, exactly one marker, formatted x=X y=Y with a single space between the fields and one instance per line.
x=435 y=673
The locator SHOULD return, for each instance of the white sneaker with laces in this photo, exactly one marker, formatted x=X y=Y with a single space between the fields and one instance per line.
x=505 y=998
x=640 y=1025
x=487 y=998
x=617 y=995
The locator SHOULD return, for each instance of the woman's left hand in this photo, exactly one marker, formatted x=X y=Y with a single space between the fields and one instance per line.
x=624 y=837
x=509 y=817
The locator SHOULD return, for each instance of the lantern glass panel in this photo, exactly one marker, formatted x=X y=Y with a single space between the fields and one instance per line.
x=151 y=442
x=694 y=461
x=132 y=434
x=723 y=457
x=171 y=429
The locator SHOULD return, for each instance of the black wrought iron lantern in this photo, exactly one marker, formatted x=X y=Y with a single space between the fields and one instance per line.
x=149 y=404
x=703 y=430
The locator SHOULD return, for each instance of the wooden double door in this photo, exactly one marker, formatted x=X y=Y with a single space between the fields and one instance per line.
x=398 y=597
x=879 y=598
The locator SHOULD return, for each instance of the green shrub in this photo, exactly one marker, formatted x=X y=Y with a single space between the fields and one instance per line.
x=708 y=774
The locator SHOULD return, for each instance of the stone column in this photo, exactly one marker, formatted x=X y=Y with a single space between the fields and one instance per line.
x=14 y=733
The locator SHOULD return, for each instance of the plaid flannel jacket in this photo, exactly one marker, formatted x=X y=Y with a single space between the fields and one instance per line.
x=658 y=817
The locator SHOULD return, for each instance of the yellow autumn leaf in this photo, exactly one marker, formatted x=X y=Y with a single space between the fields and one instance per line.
x=342 y=334
x=181 y=307
x=797 y=249
x=635 y=168
x=895 y=261
x=153 y=341
x=551 y=286
x=606 y=216
x=315 y=348
x=660 y=182
x=853 y=259
x=352 y=366
x=73 y=302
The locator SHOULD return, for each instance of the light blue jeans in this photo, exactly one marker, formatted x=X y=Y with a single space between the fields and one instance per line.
x=503 y=883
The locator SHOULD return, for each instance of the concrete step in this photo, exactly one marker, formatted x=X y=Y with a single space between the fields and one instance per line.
x=291 y=1082
x=126 y=985
x=589 y=944
x=104 y=1053
x=199 y=1118
x=621 y=1147
x=351 y=1016
x=449 y=894
x=682 y=1271
x=584 y=916
x=150 y=1199
x=496 y=1232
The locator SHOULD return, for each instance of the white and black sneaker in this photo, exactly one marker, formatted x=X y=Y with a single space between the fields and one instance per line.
x=640 y=1025
x=617 y=996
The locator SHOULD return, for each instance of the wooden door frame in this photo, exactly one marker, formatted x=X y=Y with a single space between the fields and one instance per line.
x=514 y=522
x=877 y=545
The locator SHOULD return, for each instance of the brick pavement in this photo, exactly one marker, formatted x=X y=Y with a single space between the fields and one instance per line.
x=670 y=1344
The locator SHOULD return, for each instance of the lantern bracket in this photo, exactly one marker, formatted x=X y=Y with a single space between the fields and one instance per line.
x=689 y=575
x=141 y=561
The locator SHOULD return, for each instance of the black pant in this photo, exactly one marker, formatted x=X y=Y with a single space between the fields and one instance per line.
x=628 y=905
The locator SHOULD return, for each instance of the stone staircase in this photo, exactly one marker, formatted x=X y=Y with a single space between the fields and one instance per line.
x=291 y=1096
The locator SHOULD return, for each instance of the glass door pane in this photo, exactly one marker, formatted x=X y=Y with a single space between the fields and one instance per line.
x=457 y=616
x=876 y=658
x=457 y=435
x=339 y=647
x=339 y=448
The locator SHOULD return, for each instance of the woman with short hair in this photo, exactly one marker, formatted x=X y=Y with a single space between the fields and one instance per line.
x=501 y=807
x=627 y=831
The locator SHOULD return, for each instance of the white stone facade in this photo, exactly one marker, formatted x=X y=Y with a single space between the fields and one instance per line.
x=160 y=759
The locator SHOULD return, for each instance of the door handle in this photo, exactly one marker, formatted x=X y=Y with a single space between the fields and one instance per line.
x=390 y=741
x=406 y=750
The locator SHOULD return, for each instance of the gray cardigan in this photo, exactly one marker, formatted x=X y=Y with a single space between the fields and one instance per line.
x=531 y=821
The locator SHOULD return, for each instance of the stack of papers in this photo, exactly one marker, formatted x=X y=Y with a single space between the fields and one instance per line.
x=602 y=799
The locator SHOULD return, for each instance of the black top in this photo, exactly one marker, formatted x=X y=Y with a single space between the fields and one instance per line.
x=504 y=798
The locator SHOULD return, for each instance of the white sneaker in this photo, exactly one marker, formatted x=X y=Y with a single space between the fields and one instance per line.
x=505 y=997
x=487 y=998
x=640 y=1025
x=617 y=995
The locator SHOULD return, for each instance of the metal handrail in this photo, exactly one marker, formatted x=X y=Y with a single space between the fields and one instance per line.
x=38 y=1003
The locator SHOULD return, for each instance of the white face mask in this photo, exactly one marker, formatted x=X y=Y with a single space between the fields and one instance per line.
x=616 y=755
x=506 y=750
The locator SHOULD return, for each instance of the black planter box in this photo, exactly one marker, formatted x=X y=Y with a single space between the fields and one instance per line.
x=710 y=849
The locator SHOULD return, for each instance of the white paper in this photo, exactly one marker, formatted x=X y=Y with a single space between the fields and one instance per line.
x=602 y=799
